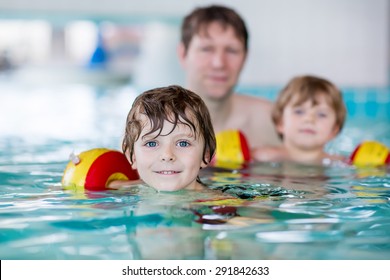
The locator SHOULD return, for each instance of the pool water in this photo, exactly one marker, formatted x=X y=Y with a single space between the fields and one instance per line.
x=263 y=211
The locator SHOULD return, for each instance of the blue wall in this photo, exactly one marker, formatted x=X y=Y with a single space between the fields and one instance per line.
x=367 y=103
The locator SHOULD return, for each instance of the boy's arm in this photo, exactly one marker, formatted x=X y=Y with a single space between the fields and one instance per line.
x=119 y=184
x=269 y=154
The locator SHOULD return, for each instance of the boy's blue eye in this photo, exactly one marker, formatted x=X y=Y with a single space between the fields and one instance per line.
x=298 y=111
x=183 y=144
x=151 y=144
x=322 y=115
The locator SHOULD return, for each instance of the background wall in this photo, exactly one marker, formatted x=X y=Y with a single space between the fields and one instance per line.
x=345 y=41
x=59 y=83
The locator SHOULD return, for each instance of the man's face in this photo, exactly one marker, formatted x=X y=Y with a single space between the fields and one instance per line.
x=213 y=61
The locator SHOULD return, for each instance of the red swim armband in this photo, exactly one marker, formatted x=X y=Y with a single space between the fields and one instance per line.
x=232 y=149
x=95 y=169
x=370 y=153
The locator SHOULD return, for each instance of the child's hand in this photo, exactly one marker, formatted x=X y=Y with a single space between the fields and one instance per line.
x=269 y=154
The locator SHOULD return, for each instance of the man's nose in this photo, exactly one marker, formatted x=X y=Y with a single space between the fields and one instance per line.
x=218 y=59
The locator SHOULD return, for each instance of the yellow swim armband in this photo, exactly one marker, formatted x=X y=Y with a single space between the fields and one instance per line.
x=95 y=169
x=370 y=153
x=232 y=149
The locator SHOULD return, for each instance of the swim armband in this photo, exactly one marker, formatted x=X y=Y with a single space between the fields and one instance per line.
x=370 y=153
x=95 y=169
x=232 y=149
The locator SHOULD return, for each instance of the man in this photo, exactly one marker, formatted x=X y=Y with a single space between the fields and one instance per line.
x=212 y=51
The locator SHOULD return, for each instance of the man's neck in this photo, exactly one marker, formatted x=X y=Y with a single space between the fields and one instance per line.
x=220 y=110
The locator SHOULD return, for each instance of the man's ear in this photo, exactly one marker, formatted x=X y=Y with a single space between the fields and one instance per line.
x=181 y=53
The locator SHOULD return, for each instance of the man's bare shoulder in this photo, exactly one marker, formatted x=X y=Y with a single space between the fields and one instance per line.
x=252 y=103
x=252 y=115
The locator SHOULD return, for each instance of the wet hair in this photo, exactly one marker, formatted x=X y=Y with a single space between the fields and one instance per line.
x=200 y=18
x=310 y=88
x=176 y=105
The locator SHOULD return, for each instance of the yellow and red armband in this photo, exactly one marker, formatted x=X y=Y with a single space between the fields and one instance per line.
x=95 y=169
x=232 y=149
x=370 y=153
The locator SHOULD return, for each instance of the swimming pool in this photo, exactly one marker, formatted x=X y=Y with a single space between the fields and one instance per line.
x=265 y=211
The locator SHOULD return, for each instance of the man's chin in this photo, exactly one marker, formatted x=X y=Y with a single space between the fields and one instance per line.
x=218 y=93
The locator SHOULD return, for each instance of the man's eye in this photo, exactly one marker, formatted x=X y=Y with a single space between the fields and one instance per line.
x=233 y=50
x=183 y=144
x=151 y=144
x=206 y=49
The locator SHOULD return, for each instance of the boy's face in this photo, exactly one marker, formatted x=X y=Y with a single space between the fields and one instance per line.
x=213 y=61
x=169 y=162
x=308 y=126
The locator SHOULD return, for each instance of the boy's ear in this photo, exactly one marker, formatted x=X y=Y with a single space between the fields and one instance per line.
x=134 y=164
x=279 y=127
x=207 y=156
x=127 y=154
x=334 y=132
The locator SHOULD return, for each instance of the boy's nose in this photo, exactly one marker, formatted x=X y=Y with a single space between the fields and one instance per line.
x=310 y=117
x=167 y=155
x=167 y=158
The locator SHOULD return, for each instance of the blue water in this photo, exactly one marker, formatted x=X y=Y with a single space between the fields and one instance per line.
x=265 y=211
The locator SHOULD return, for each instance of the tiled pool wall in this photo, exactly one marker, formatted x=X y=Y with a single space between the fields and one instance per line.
x=367 y=103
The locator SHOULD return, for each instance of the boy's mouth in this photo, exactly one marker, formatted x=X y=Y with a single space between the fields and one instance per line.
x=167 y=172
x=307 y=131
